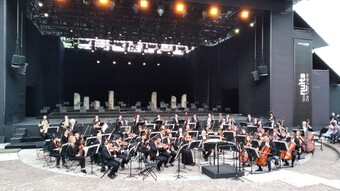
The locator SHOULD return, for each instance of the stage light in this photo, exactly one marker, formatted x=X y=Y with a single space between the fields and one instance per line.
x=252 y=24
x=114 y=62
x=158 y=64
x=144 y=64
x=46 y=15
x=40 y=4
x=129 y=63
x=244 y=14
x=237 y=31
x=214 y=11
x=180 y=9
x=160 y=10
x=98 y=61
x=103 y=2
x=144 y=4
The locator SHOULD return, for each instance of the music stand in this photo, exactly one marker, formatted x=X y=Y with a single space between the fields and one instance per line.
x=151 y=126
x=240 y=138
x=192 y=126
x=269 y=129
x=255 y=143
x=281 y=146
x=228 y=135
x=193 y=134
x=170 y=126
x=89 y=152
x=174 y=133
x=90 y=140
x=158 y=124
x=211 y=144
x=251 y=130
x=130 y=166
x=225 y=126
x=252 y=152
x=52 y=131
x=179 y=159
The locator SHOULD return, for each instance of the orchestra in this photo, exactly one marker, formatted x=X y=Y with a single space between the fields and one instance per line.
x=163 y=144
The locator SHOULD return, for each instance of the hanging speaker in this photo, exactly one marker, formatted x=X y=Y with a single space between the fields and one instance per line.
x=255 y=75
x=262 y=70
x=18 y=61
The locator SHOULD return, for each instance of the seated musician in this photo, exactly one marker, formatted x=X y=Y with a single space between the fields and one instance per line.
x=65 y=123
x=97 y=156
x=204 y=133
x=194 y=119
x=155 y=154
x=120 y=122
x=187 y=158
x=96 y=128
x=169 y=153
x=43 y=126
x=120 y=153
x=144 y=147
x=109 y=159
x=64 y=136
x=74 y=154
x=267 y=143
x=296 y=152
x=96 y=119
x=55 y=151
x=175 y=122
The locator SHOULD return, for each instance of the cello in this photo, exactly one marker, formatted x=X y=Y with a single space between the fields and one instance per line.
x=287 y=155
x=262 y=161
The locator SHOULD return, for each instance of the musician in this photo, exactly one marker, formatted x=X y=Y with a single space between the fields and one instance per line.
x=96 y=128
x=97 y=156
x=43 y=126
x=65 y=123
x=295 y=139
x=158 y=121
x=73 y=153
x=155 y=154
x=336 y=133
x=175 y=122
x=187 y=158
x=55 y=151
x=109 y=159
x=121 y=152
x=64 y=136
x=271 y=119
x=144 y=146
x=204 y=133
x=208 y=121
x=120 y=122
x=194 y=119
x=73 y=126
x=96 y=119
x=169 y=152
x=268 y=143
x=220 y=133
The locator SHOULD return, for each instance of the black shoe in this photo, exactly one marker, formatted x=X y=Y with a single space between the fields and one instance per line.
x=259 y=170
x=270 y=170
x=166 y=166
x=83 y=171
x=58 y=166
x=123 y=167
x=286 y=164
x=172 y=164
x=112 y=176
x=193 y=164
x=206 y=158
x=158 y=169
x=102 y=169
x=65 y=166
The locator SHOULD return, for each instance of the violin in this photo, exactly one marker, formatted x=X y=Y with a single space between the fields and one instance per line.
x=81 y=147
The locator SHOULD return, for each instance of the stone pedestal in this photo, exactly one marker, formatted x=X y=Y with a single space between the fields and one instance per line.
x=111 y=100
x=184 y=101
x=153 y=100
x=76 y=101
x=86 y=102
x=173 y=102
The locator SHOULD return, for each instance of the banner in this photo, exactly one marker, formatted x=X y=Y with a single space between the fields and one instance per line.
x=302 y=89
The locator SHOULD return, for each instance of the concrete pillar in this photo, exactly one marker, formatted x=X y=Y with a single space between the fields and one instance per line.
x=76 y=101
x=111 y=100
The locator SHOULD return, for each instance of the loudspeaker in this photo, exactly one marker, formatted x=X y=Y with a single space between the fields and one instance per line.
x=262 y=70
x=255 y=75
x=22 y=69
x=18 y=61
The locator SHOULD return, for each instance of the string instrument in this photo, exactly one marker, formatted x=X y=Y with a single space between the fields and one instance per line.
x=81 y=147
x=43 y=126
x=244 y=157
x=287 y=155
x=308 y=142
x=262 y=161
x=282 y=131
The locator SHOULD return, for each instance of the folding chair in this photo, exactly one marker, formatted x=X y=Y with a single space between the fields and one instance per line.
x=49 y=160
x=149 y=170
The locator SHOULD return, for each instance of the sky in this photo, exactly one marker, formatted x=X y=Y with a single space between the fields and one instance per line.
x=322 y=16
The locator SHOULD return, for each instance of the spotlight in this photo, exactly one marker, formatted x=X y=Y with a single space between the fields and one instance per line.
x=98 y=61
x=252 y=24
x=129 y=63
x=114 y=62
x=160 y=10
x=143 y=4
x=40 y=4
x=103 y=2
x=244 y=14
x=46 y=15
x=144 y=64
x=237 y=31
x=158 y=64
x=180 y=9
x=214 y=11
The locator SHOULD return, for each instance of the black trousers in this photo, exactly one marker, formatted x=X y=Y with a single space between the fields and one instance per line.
x=58 y=156
x=81 y=161
x=161 y=160
x=170 y=156
x=114 y=165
